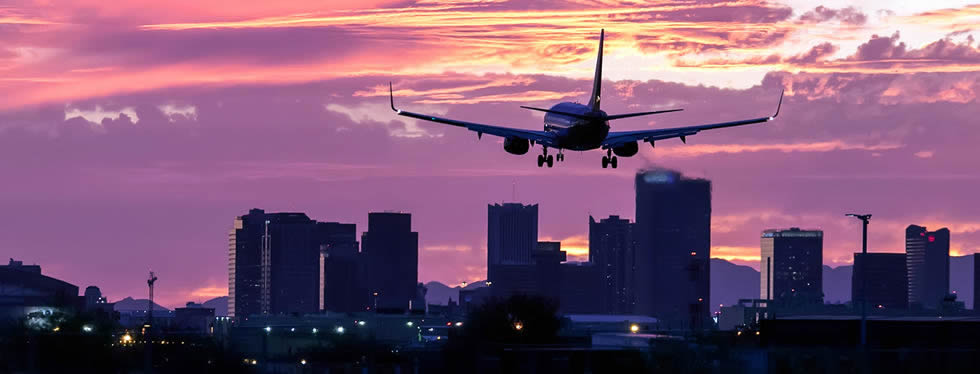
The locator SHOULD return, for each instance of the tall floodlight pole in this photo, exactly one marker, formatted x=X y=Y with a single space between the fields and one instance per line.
x=864 y=275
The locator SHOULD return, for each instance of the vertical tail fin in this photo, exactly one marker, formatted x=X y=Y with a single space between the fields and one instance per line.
x=597 y=81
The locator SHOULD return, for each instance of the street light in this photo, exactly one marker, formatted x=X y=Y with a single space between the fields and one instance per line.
x=864 y=275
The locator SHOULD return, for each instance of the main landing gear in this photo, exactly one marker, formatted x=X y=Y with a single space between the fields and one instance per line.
x=609 y=160
x=545 y=158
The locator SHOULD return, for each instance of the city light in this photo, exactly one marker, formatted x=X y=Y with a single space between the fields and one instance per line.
x=87 y=328
x=268 y=329
x=340 y=329
x=302 y=362
x=518 y=326
x=315 y=330
x=127 y=339
x=56 y=329
x=361 y=323
x=634 y=328
x=291 y=329
x=458 y=324
x=409 y=323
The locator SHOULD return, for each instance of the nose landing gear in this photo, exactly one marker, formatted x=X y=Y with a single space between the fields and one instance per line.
x=609 y=160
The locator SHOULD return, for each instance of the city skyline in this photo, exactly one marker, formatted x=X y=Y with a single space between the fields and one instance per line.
x=106 y=179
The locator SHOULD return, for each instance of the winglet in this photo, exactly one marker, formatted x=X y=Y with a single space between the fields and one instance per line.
x=778 y=106
x=391 y=96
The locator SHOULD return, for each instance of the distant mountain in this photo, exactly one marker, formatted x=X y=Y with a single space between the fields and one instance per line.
x=730 y=282
x=439 y=294
x=130 y=304
x=219 y=304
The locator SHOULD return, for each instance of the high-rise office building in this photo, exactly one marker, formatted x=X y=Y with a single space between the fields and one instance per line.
x=791 y=268
x=512 y=237
x=885 y=278
x=612 y=250
x=927 y=260
x=272 y=264
x=391 y=252
x=342 y=286
x=579 y=288
x=673 y=234
x=976 y=283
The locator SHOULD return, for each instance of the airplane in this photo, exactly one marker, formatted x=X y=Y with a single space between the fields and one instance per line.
x=578 y=127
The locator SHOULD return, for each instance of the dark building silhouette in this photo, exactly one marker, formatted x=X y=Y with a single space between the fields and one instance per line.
x=673 y=234
x=612 y=250
x=274 y=265
x=342 y=287
x=23 y=291
x=580 y=288
x=976 y=283
x=391 y=253
x=194 y=318
x=791 y=268
x=542 y=277
x=547 y=269
x=927 y=260
x=886 y=282
x=512 y=237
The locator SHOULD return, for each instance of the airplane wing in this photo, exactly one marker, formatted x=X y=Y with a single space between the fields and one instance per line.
x=618 y=138
x=540 y=137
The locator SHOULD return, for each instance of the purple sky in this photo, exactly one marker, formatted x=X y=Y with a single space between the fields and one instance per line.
x=119 y=154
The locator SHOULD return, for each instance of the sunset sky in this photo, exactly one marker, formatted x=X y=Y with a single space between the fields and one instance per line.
x=132 y=132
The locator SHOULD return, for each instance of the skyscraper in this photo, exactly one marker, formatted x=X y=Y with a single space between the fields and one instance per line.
x=887 y=281
x=927 y=259
x=673 y=233
x=976 y=283
x=391 y=252
x=342 y=286
x=612 y=249
x=791 y=268
x=512 y=236
x=272 y=264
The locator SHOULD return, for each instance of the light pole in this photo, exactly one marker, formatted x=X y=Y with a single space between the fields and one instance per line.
x=864 y=275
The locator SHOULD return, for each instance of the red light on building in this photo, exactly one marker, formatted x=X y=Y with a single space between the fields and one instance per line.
x=922 y=234
x=932 y=238
x=694 y=253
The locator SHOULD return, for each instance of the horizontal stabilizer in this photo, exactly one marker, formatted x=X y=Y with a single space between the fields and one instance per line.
x=628 y=115
x=556 y=112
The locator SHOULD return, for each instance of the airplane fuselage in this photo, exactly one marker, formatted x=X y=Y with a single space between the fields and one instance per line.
x=578 y=134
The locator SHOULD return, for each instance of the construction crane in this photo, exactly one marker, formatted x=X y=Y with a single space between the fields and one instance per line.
x=149 y=310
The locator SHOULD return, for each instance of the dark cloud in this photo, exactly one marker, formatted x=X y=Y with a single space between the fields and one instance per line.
x=847 y=16
x=818 y=52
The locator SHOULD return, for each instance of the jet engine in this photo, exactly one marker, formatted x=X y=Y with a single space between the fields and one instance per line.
x=627 y=150
x=517 y=146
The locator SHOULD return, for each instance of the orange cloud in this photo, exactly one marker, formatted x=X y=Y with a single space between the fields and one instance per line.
x=732 y=253
x=209 y=292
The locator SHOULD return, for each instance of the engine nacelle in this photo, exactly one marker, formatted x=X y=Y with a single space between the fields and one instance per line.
x=517 y=146
x=627 y=150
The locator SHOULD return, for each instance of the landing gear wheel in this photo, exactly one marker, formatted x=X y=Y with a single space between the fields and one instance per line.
x=605 y=162
x=540 y=160
x=614 y=161
x=561 y=157
x=550 y=161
